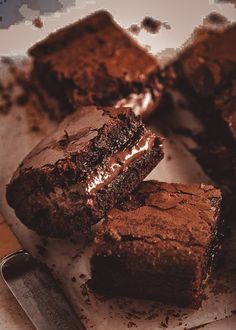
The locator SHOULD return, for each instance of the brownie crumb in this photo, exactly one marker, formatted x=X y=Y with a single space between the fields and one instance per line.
x=73 y=279
x=82 y=276
x=164 y=325
x=151 y=24
x=166 y=25
x=38 y=23
x=134 y=28
x=85 y=293
x=131 y=324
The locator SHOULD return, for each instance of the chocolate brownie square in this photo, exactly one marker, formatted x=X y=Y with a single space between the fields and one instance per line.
x=94 y=61
x=74 y=176
x=206 y=75
x=203 y=71
x=159 y=244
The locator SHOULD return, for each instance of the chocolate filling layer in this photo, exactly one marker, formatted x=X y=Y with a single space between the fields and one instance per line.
x=117 y=163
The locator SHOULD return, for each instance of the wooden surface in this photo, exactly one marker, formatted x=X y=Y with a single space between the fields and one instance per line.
x=8 y=241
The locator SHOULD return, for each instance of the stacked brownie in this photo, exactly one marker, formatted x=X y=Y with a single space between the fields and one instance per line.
x=94 y=61
x=206 y=74
x=75 y=175
x=158 y=240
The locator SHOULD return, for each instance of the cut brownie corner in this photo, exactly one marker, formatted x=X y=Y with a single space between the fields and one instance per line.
x=159 y=244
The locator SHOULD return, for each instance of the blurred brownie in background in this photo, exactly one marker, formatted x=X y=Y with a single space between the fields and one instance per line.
x=205 y=73
x=94 y=61
x=159 y=244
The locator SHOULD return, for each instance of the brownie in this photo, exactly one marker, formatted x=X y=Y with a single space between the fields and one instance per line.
x=159 y=244
x=94 y=61
x=75 y=175
x=206 y=75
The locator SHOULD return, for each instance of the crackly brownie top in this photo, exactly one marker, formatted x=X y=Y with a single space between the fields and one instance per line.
x=173 y=218
x=88 y=150
x=96 y=46
x=210 y=63
x=75 y=133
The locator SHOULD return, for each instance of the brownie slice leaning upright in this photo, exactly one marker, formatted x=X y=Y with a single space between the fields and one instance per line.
x=159 y=244
x=206 y=74
x=75 y=175
x=94 y=61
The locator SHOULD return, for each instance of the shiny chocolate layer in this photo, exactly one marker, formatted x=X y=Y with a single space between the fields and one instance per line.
x=118 y=162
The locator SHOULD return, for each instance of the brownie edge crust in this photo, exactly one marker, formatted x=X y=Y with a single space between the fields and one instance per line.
x=160 y=244
x=74 y=176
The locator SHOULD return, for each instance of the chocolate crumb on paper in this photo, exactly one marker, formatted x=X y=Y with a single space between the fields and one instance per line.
x=38 y=23
x=134 y=28
x=131 y=325
x=153 y=25
x=150 y=24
